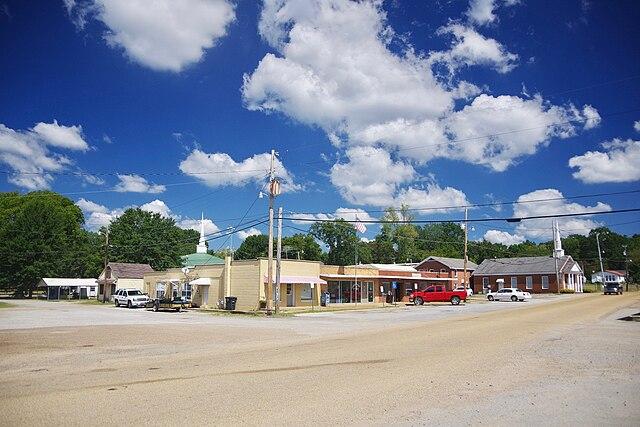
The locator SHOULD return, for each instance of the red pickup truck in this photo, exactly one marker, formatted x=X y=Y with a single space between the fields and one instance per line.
x=437 y=293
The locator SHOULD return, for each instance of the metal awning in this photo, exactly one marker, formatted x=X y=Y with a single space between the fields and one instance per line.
x=202 y=281
x=298 y=279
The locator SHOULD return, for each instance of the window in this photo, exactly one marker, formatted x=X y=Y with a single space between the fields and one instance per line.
x=442 y=270
x=529 y=281
x=92 y=288
x=514 y=282
x=305 y=292
x=160 y=290
x=186 y=292
x=431 y=289
x=439 y=288
x=485 y=282
x=545 y=282
x=455 y=273
x=431 y=270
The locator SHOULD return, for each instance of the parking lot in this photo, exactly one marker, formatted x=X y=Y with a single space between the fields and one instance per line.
x=29 y=314
x=566 y=357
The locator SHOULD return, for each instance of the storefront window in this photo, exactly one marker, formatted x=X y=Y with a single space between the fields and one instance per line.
x=305 y=292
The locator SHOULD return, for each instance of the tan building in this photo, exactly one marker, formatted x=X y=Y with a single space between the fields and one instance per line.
x=119 y=275
x=208 y=285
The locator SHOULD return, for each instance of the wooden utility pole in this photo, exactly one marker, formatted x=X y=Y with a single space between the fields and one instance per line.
x=466 y=257
x=106 y=262
x=278 y=259
x=600 y=258
x=626 y=268
x=270 y=254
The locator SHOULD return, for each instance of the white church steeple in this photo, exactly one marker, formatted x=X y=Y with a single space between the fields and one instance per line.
x=202 y=245
x=558 y=252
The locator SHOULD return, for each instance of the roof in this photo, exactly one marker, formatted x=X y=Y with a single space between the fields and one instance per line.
x=524 y=265
x=62 y=281
x=615 y=272
x=129 y=270
x=452 y=263
x=193 y=260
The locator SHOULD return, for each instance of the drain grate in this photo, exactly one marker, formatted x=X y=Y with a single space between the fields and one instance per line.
x=632 y=318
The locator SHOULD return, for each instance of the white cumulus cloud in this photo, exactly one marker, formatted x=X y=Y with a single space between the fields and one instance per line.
x=220 y=170
x=482 y=12
x=97 y=216
x=29 y=156
x=503 y=237
x=636 y=125
x=332 y=67
x=472 y=48
x=163 y=35
x=619 y=162
x=137 y=184
x=542 y=228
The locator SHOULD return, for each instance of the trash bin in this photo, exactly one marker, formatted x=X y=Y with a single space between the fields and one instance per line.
x=230 y=303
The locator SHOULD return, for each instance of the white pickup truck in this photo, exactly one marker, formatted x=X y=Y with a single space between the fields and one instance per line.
x=130 y=297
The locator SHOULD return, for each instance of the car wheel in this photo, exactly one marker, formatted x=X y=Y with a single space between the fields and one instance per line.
x=490 y=298
x=418 y=301
x=514 y=298
x=129 y=304
x=455 y=300
x=116 y=303
x=178 y=309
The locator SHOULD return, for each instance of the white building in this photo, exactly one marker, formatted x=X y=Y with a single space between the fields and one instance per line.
x=610 y=276
x=66 y=288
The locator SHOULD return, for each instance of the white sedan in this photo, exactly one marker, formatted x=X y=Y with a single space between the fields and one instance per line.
x=508 y=294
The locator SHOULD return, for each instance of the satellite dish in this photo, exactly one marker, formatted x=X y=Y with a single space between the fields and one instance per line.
x=185 y=270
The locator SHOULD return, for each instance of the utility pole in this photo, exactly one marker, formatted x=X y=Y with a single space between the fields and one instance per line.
x=600 y=258
x=555 y=255
x=466 y=236
x=626 y=268
x=355 y=291
x=278 y=259
x=270 y=255
x=106 y=262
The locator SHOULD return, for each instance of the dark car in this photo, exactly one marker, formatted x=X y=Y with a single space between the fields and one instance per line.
x=612 y=288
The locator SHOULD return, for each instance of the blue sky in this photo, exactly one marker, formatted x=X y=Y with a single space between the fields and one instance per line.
x=174 y=106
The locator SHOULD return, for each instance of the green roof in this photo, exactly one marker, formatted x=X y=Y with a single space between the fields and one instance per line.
x=192 y=260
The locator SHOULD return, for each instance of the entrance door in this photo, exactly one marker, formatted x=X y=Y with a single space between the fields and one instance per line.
x=370 y=291
x=205 y=295
x=290 y=295
x=83 y=293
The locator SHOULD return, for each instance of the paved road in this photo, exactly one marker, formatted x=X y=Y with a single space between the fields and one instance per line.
x=564 y=361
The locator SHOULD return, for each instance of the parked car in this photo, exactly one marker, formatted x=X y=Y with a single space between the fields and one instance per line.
x=437 y=293
x=612 y=288
x=508 y=294
x=469 y=291
x=130 y=297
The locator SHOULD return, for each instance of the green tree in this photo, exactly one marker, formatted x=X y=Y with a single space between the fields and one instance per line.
x=42 y=236
x=301 y=246
x=144 y=237
x=340 y=237
x=253 y=247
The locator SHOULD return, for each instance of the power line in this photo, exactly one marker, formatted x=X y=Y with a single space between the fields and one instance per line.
x=507 y=219
x=477 y=205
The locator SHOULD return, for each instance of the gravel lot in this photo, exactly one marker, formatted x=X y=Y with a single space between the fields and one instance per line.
x=561 y=360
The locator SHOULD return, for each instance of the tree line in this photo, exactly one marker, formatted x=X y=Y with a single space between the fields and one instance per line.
x=42 y=234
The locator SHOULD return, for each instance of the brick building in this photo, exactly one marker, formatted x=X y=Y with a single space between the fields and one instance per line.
x=451 y=268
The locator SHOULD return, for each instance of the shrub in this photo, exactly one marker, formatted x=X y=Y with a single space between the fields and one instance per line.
x=588 y=290
x=567 y=291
